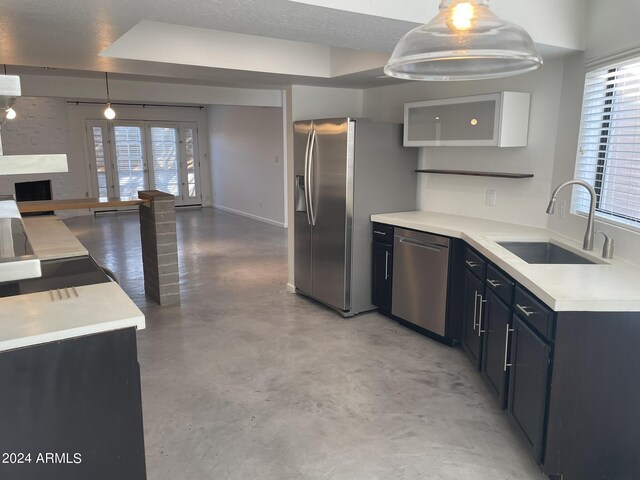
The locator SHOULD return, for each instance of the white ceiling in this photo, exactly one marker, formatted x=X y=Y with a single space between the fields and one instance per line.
x=70 y=35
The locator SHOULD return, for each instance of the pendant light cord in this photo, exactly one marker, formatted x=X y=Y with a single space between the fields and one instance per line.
x=106 y=78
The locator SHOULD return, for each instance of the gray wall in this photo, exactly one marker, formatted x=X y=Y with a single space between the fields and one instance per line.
x=556 y=104
x=609 y=33
x=518 y=201
x=247 y=159
x=612 y=26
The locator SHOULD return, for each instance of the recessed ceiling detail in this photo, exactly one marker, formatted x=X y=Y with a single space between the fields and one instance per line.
x=183 y=45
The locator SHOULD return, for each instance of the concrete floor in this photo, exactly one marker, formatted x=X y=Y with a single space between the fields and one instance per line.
x=247 y=381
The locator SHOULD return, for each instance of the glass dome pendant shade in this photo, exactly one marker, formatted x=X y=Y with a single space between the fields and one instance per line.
x=465 y=41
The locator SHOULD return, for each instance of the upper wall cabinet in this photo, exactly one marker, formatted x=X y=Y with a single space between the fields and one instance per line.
x=491 y=120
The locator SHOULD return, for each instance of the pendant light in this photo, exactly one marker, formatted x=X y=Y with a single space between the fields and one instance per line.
x=109 y=112
x=9 y=113
x=465 y=41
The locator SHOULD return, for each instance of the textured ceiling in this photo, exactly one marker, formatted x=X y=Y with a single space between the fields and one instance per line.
x=71 y=34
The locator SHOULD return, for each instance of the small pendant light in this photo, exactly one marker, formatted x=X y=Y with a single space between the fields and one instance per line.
x=109 y=112
x=465 y=41
x=9 y=113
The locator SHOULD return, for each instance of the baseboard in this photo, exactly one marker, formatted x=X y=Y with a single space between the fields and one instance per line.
x=291 y=288
x=250 y=215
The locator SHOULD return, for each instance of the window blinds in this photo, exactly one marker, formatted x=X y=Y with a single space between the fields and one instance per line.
x=609 y=147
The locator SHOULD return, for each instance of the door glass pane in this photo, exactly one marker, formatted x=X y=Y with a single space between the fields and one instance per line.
x=98 y=145
x=131 y=175
x=165 y=160
x=190 y=162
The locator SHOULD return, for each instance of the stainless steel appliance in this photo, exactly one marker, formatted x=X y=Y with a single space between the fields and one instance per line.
x=420 y=276
x=345 y=170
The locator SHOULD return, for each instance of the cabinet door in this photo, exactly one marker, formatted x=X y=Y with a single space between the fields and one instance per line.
x=463 y=121
x=530 y=358
x=495 y=326
x=473 y=304
x=382 y=269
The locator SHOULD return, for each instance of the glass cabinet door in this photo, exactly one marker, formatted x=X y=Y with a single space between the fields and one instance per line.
x=458 y=122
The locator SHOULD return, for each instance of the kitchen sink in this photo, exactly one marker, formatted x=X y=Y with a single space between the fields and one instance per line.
x=545 y=252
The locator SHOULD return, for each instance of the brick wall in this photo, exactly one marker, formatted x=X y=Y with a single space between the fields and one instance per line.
x=42 y=126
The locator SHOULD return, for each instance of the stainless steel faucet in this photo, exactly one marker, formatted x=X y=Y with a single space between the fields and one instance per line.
x=589 y=234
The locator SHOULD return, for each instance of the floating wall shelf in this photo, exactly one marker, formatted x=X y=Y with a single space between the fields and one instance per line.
x=478 y=174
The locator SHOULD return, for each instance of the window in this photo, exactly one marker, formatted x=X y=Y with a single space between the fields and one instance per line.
x=164 y=146
x=101 y=165
x=129 y=159
x=128 y=156
x=609 y=147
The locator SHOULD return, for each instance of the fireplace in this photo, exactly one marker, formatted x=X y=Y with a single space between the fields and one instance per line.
x=34 y=191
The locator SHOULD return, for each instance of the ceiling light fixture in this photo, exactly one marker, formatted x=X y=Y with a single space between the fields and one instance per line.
x=465 y=41
x=109 y=112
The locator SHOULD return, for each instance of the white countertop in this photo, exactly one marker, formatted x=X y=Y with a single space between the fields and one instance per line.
x=36 y=318
x=17 y=259
x=610 y=286
x=51 y=239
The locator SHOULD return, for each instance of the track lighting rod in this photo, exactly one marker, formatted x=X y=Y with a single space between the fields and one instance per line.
x=143 y=105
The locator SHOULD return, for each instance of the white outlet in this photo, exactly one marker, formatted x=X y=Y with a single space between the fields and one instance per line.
x=490 y=198
x=563 y=208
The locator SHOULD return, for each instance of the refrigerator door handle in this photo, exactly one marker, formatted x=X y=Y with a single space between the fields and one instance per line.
x=312 y=147
x=307 y=197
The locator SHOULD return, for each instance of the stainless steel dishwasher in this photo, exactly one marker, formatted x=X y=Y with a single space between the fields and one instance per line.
x=420 y=278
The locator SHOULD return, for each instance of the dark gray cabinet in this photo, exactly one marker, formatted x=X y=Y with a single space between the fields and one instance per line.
x=382 y=274
x=593 y=427
x=530 y=361
x=565 y=379
x=78 y=399
x=474 y=291
x=512 y=353
x=496 y=330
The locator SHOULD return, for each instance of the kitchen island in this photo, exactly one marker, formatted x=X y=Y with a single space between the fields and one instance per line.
x=555 y=343
x=70 y=403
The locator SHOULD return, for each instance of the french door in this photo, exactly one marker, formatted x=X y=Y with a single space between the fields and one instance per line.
x=126 y=157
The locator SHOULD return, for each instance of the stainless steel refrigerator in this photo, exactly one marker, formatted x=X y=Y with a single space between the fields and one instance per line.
x=345 y=169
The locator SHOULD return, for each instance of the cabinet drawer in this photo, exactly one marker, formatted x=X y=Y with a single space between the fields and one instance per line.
x=383 y=233
x=501 y=284
x=538 y=315
x=475 y=263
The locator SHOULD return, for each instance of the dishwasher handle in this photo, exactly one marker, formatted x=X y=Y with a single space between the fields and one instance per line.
x=417 y=243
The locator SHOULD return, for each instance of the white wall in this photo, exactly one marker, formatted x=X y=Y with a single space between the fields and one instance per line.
x=612 y=27
x=248 y=161
x=143 y=91
x=322 y=102
x=518 y=201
